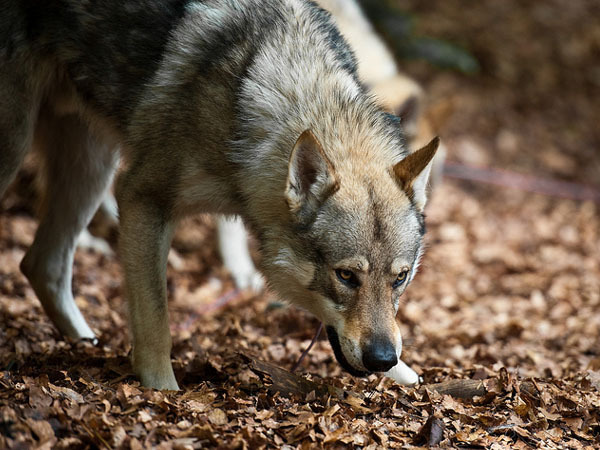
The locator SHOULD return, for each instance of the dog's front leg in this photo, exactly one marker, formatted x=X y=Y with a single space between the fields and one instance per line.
x=146 y=232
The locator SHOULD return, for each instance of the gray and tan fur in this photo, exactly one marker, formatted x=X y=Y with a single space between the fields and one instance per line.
x=247 y=108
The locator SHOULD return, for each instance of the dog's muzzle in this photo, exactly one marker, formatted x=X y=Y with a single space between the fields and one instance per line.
x=334 y=340
x=379 y=355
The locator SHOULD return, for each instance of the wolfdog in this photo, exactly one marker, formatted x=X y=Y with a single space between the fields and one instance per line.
x=247 y=108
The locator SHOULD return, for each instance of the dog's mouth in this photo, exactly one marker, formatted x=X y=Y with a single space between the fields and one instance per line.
x=334 y=340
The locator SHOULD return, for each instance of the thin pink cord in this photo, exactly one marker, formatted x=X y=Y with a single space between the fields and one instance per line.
x=529 y=183
x=305 y=352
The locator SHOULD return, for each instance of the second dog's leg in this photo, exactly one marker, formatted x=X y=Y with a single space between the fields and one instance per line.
x=145 y=239
x=79 y=168
x=233 y=246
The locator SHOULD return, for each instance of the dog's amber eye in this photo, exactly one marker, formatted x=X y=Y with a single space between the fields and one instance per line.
x=401 y=278
x=345 y=274
x=347 y=277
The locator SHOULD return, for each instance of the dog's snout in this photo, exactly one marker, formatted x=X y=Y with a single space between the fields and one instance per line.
x=379 y=355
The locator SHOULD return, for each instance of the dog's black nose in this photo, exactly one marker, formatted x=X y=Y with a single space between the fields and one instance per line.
x=379 y=355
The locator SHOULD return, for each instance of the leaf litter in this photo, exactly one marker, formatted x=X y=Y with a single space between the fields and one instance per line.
x=502 y=322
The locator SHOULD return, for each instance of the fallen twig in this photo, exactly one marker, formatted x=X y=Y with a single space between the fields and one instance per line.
x=468 y=389
x=287 y=383
x=465 y=389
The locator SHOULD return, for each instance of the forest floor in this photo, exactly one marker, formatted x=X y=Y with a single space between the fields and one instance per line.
x=502 y=322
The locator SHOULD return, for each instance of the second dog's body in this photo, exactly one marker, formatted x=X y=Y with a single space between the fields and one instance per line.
x=246 y=108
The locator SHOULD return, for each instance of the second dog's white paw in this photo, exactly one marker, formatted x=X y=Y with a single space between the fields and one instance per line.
x=247 y=279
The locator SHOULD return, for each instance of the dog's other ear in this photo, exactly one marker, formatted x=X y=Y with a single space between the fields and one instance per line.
x=409 y=112
x=412 y=173
x=311 y=177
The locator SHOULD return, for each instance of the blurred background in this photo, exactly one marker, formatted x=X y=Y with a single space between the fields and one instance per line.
x=522 y=78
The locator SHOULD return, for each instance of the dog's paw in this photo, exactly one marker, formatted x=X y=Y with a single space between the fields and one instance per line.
x=155 y=373
x=247 y=278
x=402 y=374
x=160 y=383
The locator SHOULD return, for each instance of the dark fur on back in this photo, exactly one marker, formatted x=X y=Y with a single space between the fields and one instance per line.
x=111 y=49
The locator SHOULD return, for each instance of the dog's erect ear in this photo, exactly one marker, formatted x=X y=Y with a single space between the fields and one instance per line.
x=311 y=177
x=412 y=173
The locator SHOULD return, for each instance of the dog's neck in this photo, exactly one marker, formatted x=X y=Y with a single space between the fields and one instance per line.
x=310 y=85
x=337 y=111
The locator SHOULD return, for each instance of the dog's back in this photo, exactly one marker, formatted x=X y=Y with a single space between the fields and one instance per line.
x=110 y=50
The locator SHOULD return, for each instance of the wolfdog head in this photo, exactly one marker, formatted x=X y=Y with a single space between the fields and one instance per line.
x=352 y=245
